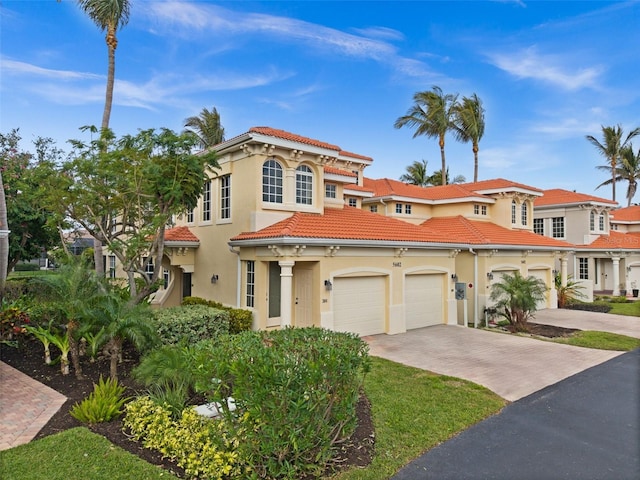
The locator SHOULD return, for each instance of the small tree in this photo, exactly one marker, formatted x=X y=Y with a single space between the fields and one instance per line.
x=569 y=292
x=516 y=298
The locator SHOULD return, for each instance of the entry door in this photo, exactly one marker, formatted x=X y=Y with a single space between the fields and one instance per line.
x=303 y=295
x=186 y=285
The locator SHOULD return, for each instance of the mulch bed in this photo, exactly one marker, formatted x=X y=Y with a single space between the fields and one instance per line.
x=28 y=358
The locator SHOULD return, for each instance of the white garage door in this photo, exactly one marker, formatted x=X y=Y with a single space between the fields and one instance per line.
x=542 y=275
x=359 y=305
x=634 y=276
x=423 y=300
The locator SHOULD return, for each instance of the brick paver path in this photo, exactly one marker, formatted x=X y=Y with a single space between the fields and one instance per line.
x=25 y=406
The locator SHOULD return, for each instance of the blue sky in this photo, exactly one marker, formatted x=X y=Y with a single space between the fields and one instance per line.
x=549 y=73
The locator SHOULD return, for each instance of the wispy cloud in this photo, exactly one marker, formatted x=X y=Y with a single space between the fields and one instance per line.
x=12 y=67
x=549 y=68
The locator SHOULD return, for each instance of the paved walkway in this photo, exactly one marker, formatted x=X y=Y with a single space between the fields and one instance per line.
x=25 y=406
x=511 y=366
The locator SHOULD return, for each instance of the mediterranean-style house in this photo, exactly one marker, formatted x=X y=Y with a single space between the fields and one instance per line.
x=290 y=228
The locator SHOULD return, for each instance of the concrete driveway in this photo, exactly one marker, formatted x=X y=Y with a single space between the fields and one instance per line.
x=511 y=366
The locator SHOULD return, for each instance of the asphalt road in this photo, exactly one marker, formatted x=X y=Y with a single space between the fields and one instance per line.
x=585 y=427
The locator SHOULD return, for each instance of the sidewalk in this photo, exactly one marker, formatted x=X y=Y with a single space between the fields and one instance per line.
x=25 y=406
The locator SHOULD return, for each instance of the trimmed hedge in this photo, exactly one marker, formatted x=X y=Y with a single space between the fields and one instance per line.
x=240 y=320
x=190 y=324
x=601 y=307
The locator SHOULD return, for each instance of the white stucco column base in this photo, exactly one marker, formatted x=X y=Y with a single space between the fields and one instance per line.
x=286 y=291
x=616 y=275
x=452 y=312
x=553 y=298
x=397 y=322
x=326 y=320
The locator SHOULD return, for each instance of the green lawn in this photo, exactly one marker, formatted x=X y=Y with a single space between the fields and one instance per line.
x=601 y=340
x=631 y=309
x=413 y=410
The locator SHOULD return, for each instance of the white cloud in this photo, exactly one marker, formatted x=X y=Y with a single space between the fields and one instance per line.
x=12 y=67
x=380 y=32
x=528 y=63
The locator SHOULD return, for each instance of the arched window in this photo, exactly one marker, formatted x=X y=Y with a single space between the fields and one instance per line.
x=304 y=185
x=271 y=182
x=513 y=211
x=524 y=213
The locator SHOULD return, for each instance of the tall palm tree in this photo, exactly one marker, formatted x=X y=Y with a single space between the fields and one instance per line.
x=416 y=174
x=627 y=170
x=206 y=127
x=431 y=115
x=109 y=16
x=4 y=239
x=611 y=148
x=469 y=125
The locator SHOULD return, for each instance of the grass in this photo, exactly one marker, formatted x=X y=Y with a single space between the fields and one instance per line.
x=600 y=340
x=631 y=308
x=75 y=453
x=413 y=410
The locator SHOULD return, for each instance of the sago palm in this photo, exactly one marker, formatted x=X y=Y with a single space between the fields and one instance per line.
x=431 y=115
x=469 y=125
x=517 y=298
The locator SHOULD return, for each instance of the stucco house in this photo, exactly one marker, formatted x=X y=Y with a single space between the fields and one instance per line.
x=292 y=229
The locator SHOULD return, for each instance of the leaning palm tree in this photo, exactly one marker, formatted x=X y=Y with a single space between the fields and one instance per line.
x=517 y=298
x=627 y=170
x=416 y=174
x=469 y=125
x=611 y=148
x=109 y=16
x=431 y=115
x=206 y=127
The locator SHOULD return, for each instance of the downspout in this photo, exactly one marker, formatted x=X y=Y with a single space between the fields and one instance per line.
x=238 y=276
x=475 y=291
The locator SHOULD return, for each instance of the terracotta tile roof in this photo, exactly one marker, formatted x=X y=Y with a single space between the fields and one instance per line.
x=274 y=132
x=474 y=232
x=627 y=214
x=346 y=223
x=387 y=187
x=180 y=234
x=615 y=240
x=339 y=171
x=498 y=184
x=358 y=188
x=344 y=153
x=558 y=196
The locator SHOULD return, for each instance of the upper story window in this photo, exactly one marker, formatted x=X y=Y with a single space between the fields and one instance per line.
x=398 y=208
x=148 y=266
x=373 y=208
x=190 y=215
x=225 y=196
x=206 y=201
x=557 y=227
x=601 y=223
x=583 y=268
x=112 y=266
x=330 y=190
x=251 y=283
x=480 y=210
x=407 y=209
x=353 y=202
x=592 y=221
x=271 y=182
x=513 y=211
x=614 y=226
x=538 y=226
x=524 y=213
x=304 y=185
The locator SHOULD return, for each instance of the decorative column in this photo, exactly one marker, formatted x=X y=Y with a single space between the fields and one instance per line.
x=563 y=270
x=286 y=291
x=616 y=275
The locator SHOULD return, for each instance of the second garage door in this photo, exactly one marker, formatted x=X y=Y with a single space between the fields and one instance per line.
x=540 y=275
x=423 y=300
x=359 y=305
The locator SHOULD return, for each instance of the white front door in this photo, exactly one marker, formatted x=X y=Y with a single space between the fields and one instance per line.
x=303 y=297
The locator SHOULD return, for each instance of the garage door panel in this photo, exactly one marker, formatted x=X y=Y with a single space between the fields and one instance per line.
x=424 y=301
x=359 y=305
x=541 y=275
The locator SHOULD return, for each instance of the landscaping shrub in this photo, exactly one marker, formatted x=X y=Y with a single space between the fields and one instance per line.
x=296 y=392
x=240 y=320
x=26 y=267
x=190 y=324
x=601 y=307
x=199 y=445
x=102 y=405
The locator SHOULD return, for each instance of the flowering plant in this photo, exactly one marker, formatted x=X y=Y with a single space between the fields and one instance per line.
x=12 y=323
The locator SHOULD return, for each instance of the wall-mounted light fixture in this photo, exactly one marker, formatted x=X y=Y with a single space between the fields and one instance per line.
x=454 y=277
x=555 y=272
x=628 y=269
x=490 y=276
x=214 y=278
x=328 y=285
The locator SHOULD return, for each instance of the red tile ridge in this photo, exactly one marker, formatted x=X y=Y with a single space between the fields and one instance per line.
x=559 y=196
x=274 y=132
x=339 y=171
x=180 y=234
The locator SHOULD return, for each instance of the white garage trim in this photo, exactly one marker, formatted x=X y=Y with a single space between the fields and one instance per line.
x=541 y=275
x=423 y=300
x=359 y=304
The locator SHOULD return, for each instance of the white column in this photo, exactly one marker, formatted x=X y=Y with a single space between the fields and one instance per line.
x=616 y=275
x=563 y=271
x=286 y=291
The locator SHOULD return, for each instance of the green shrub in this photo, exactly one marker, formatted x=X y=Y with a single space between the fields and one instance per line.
x=296 y=392
x=190 y=324
x=26 y=267
x=240 y=320
x=601 y=307
x=102 y=405
x=199 y=445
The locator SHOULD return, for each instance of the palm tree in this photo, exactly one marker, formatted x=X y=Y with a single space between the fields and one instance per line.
x=436 y=178
x=431 y=115
x=416 y=174
x=611 y=148
x=109 y=16
x=469 y=125
x=206 y=127
x=517 y=298
x=4 y=239
x=628 y=170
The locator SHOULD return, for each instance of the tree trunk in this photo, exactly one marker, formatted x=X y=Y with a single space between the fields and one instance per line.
x=4 y=239
x=475 y=163
x=114 y=353
x=444 y=162
x=74 y=348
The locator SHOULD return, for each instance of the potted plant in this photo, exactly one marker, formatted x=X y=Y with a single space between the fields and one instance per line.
x=623 y=291
x=634 y=289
